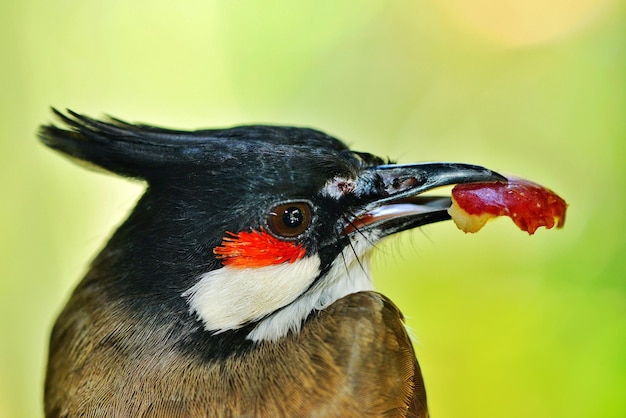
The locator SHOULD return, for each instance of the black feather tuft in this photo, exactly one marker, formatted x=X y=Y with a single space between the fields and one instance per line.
x=144 y=151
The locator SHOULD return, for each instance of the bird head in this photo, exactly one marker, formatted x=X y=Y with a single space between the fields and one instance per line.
x=249 y=230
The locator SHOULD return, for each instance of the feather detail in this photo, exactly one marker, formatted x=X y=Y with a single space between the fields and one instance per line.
x=254 y=248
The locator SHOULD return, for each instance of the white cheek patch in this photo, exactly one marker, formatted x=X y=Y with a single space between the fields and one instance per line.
x=228 y=298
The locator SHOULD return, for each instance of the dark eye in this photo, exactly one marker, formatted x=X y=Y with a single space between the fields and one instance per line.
x=288 y=220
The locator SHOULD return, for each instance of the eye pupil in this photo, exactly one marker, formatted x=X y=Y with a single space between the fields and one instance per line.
x=289 y=220
x=293 y=217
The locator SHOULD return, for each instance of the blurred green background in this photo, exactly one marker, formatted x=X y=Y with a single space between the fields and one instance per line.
x=506 y=325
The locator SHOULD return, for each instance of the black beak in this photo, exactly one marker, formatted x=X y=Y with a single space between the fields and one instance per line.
x=391 y=195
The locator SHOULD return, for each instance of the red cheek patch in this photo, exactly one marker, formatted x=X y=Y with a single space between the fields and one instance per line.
x=256 y=249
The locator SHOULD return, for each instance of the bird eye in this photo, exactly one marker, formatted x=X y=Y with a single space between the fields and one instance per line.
x=288 y=220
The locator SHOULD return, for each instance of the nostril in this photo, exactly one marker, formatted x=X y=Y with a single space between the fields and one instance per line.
x=395 y=181
x=401 y=183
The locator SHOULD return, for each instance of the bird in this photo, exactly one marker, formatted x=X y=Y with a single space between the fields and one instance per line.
x=239 y=285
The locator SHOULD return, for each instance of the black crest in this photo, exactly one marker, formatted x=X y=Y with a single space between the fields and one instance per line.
x=144 y=151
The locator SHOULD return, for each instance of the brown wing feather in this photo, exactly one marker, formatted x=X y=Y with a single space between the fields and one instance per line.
x=376 y=355
x=352 y=359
